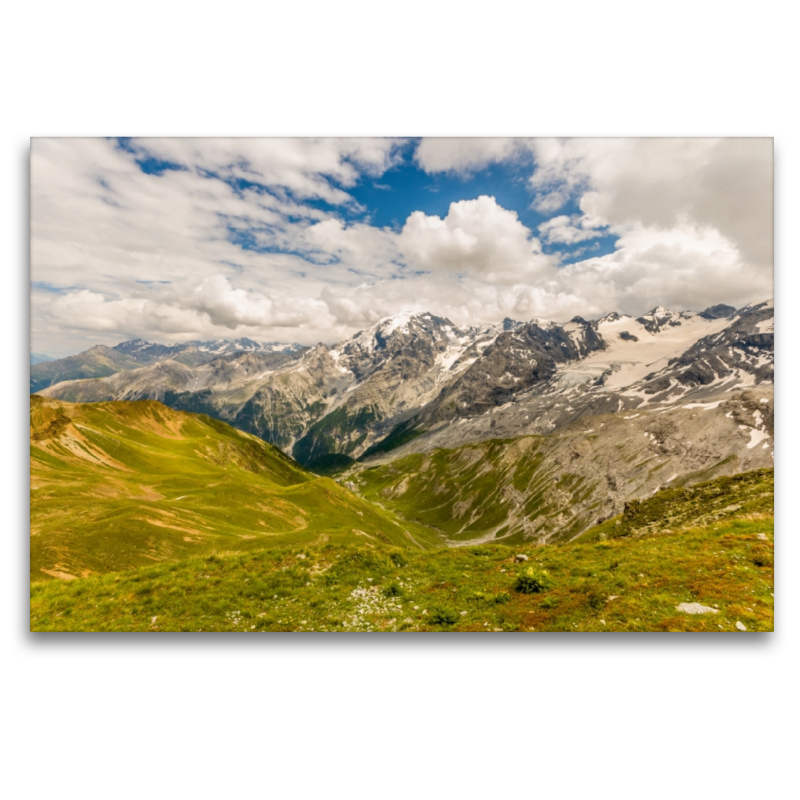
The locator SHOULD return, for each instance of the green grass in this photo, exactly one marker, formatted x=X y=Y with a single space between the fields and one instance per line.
x=497 y=487
x=161 y=520
x=346 y=588
x=122 y=485
x=630 y=582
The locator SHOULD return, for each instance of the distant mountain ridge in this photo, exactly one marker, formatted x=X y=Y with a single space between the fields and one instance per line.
x=101 y=361
x=417 y=381
x=198 y=352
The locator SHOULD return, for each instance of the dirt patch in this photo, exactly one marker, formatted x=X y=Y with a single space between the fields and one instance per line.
x=171 y=526
x=57 y=573
x=149 y=494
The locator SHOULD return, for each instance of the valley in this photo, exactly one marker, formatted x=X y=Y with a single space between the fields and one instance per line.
x=705 y=565
x=359 y=481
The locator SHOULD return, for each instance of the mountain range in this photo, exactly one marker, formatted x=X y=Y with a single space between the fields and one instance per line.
x=417 y=382
x=101 y=361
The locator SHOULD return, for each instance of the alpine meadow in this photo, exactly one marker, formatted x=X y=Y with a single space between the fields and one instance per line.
x=402 y=384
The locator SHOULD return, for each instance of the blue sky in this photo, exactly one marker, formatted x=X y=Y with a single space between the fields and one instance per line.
x=313 y=239
x=387 y=201
x=406 y=188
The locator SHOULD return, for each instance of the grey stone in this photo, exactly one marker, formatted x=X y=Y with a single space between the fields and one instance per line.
x=696 y=608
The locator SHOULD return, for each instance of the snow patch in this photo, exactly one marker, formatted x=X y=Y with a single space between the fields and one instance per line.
x=704 y=406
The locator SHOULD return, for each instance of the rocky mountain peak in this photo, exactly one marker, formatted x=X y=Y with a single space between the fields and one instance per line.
x=718 y=312
x=659 y=318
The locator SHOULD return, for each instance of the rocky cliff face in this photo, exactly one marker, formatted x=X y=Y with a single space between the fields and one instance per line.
x=652 y=362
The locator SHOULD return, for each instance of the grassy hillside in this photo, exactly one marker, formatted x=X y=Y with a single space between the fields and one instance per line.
x=498 y=489
x=632 y=580
x=120 y=485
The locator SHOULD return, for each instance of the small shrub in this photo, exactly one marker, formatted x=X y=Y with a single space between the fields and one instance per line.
x=398 y=559
x=532 y=581
x=443 y=616
x=392 y=590
x=595 y=600
x=501 y=597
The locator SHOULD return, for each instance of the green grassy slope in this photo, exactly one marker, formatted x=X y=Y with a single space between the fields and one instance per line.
x=632 y=581
x=119 y=485
x=494 y=490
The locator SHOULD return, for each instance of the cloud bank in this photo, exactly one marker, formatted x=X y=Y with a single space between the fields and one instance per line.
x=179 y=239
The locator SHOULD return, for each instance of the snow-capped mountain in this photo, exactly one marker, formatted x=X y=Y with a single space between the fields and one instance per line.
x=101 y=361
x=197 y=352
x=419 y=382
x=660 y=361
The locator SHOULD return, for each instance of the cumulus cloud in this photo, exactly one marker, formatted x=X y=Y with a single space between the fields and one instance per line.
x=462 y=155
x=208 y=307
x=477 y=237
x=571 y=230
x=722 y=183
x=653 y=266
x=725 y=184
x=263 y=238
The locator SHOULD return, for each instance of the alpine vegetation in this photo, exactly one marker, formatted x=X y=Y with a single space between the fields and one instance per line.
x=339 y=385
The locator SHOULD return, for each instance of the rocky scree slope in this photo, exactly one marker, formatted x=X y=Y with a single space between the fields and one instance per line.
x=655 y=362
x=552 y=488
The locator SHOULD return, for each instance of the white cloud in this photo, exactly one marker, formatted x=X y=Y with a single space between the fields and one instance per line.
x=570 y=230
x=478 y=238
x=686 y=266
x=116 y=253
x=303 y=166
x=725 y=184
x=462 y=155
x=193 y=308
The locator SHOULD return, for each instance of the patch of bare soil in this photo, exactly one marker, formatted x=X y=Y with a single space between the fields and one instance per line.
x=57 y=573
x=149 y=494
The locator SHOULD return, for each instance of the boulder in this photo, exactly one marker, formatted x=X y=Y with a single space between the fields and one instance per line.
x=696 y=608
